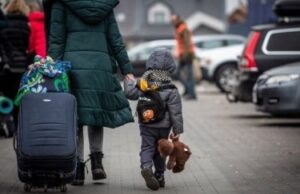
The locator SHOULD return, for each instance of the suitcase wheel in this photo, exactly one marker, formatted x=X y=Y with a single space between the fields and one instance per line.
x=27 y=187
x=64 y=188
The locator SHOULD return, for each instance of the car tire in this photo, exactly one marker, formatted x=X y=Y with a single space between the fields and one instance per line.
x=224 y=76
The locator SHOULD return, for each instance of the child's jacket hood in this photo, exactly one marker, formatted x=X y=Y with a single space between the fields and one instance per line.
x=91 y=11
x=161 y=59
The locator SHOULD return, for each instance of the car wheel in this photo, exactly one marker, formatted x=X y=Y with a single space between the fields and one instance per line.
x=225 y=77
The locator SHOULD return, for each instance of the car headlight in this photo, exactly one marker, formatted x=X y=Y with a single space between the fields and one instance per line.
x=279 y=79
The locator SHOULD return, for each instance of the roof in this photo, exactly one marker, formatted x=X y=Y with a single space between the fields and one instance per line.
x=203 y=16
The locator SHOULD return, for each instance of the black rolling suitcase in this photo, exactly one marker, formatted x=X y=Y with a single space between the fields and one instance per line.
x=46 y=141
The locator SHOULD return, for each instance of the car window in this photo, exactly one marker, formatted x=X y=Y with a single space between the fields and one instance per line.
x=199 y=44
x=170 y=48
x=211 y=44
x=151 y=50
x=134 y=52
x=143 y=55
x=284 y=41
x=233 y=42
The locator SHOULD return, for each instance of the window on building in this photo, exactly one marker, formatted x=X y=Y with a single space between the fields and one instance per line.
x=159 y=13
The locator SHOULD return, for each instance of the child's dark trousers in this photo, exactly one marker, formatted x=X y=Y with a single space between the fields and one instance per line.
x=149 y=153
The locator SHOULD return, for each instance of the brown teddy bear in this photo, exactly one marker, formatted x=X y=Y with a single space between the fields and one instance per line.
x=177 y=151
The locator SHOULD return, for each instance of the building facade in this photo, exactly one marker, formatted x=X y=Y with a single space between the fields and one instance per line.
x=143 y=20
x=258 y=12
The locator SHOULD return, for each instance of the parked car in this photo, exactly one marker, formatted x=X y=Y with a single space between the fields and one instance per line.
x=140 y=53
x=206 y=42
x=268 y=46
x=277 y=91
x=220 y=65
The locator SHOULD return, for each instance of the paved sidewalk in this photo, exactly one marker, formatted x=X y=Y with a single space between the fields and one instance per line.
x=235 y=151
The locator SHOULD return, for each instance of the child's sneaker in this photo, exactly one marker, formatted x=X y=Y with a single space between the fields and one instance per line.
x=160 y=178
x=150 y=179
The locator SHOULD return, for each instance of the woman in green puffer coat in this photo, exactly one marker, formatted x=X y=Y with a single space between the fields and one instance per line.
x=86 y=33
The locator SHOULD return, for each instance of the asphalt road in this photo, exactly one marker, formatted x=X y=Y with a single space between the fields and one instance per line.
x=235 y=151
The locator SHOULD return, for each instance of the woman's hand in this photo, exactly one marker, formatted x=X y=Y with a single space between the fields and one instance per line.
x=130 y=76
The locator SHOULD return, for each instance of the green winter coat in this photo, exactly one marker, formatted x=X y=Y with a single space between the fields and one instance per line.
x=86 y=33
